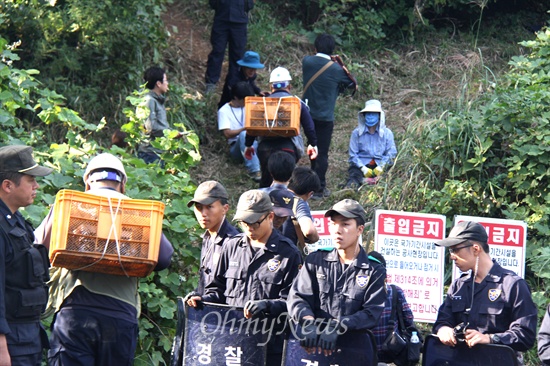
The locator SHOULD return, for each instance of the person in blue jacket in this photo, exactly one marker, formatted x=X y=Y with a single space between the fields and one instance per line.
x=340 y=289
x=371 y=146
x=247 y=73
x=489 y=305
x=210 y=204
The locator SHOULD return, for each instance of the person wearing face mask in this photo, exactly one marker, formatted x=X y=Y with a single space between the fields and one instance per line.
x=371 y=147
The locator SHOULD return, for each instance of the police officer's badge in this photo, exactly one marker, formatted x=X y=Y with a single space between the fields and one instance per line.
x=362 y=280
x=494 y=294
x=273 y=264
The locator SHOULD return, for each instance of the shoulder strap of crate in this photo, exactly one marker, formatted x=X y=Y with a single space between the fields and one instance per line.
x=321 y=70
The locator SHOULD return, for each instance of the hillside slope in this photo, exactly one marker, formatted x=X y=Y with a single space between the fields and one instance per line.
x=416 y=81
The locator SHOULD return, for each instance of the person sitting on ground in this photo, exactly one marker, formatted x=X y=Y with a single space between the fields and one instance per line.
x=386 y=324
x=231 y=122
x=280 y=166
x=157 y=122
x=118 y=138
x=282 y=200
x=371 y=146
x=247 y=73
x=267 y=145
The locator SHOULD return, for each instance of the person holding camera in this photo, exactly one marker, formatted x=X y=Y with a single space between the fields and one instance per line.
x=488 y=305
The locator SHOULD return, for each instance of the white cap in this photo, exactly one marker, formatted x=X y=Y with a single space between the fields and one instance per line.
x=105 y=161
x=372 y=105
x=279 y=74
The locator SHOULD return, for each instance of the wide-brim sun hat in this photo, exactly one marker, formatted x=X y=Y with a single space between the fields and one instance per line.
x=251 y=60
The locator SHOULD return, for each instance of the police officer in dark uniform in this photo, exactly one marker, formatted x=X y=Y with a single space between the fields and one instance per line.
x=210 y=204
x=256 y=268
x=488 y=305
x=339 y=289
x=23 y=266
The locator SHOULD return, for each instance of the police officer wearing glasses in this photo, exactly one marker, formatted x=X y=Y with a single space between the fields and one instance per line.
x=489 y=305
x=256 y=268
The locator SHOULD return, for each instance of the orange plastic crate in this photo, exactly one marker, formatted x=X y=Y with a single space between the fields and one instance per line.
x=86 y=226
x=272 y=116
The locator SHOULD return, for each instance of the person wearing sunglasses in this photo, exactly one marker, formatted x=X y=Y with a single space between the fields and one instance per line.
x=256 y=268
x=488 y=305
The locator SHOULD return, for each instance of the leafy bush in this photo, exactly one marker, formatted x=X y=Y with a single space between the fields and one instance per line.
x=25 y=103
x=91 y=52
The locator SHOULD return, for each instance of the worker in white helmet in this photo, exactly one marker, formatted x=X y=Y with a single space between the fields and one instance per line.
x=96 y=314
x=280 y=86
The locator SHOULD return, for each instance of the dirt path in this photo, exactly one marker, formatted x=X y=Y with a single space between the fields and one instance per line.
x=411 y=82
x=189 y=45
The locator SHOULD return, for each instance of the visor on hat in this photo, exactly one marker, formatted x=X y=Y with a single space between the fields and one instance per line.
x=283 y=201
x=18 y=159
x=348 y=208
x=251 y=59
x=252 y=206
x=208 y=192
x=463 y=231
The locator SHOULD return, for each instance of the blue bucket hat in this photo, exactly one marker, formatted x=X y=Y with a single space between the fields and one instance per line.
x=251 y=60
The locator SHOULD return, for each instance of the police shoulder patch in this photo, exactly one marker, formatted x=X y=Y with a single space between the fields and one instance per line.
x=494 y=294
x=362 y=280
x=273 y=264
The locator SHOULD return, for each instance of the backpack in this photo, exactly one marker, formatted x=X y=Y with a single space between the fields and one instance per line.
x=397 y=347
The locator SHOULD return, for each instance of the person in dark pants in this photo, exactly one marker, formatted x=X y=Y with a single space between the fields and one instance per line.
x=280 y=86
x=23 y=266
x=230 y=27
x=256 y=268
x=320 y=95
x=96 y=314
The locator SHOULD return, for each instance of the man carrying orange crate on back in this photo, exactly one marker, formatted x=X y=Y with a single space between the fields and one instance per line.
x=267 y=145
x=96 y=314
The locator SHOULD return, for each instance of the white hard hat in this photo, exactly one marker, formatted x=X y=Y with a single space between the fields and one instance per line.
x=279 y=74
x=105 y=161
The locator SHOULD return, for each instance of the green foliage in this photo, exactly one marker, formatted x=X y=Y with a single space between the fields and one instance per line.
x=24 y=99
x=92 y=52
